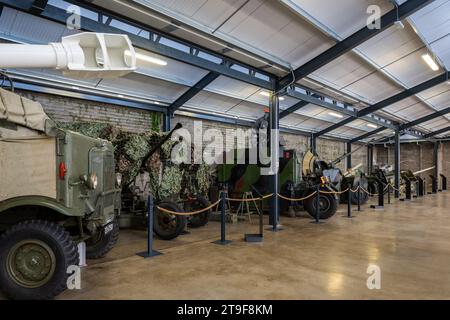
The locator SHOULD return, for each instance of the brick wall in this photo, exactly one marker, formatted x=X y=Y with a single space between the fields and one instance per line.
x=66 y=110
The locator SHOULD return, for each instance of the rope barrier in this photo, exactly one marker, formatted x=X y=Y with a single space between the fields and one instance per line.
x=188 y=213
x=249 y=199
x=370 y=194
x=334 y=192
x=355 y=190
x=298 y=199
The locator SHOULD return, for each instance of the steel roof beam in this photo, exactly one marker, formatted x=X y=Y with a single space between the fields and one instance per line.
x=367 y=135
x=405 y=94
x=390 y=101
x=321 y=102
x=438 y=132
x=193 y=91
x=425 y=119
x=404 y=10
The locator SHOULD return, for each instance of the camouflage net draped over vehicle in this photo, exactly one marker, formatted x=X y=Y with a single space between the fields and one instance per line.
x=166 y=179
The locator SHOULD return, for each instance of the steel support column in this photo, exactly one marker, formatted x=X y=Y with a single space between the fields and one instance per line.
x=167 y=124
x=313 y=143
x=436 y=160
x=369 y=158
x=397 y=164
x=349 y=155
x=274 y=215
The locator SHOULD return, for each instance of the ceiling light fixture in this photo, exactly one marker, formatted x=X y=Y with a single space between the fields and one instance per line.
x=264 y=93
x=337 y=115
x=371 y=125
x=430 y=61
x=146 y=58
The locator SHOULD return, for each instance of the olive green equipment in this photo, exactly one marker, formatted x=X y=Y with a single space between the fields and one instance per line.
x=298 y=181
x=57 y=188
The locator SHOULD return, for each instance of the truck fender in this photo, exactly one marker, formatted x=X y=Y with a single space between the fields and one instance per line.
x=39 y=201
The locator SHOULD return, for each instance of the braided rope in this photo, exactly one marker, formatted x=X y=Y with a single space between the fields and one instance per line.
x=298 y=199
x=189 y=213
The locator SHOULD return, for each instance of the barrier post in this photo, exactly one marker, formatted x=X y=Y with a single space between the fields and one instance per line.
x=258 y=237
x=380 y=196
x=420 y=191
x=359 y=196
x=444 y=182
x=408 y=190
x=150 y=212
x=433 y=184
x=317 y=218
x=349 y=200
x=223 y=241
x=389 y=193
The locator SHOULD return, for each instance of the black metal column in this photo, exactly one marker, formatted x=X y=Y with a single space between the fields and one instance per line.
x=436 y=160
x=369 y=158
x=274 y=214
x=349 y=155
x=167 y=122
x=397 y=164
x=313 y=143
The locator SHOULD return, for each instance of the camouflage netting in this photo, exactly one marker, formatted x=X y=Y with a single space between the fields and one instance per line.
x=166 y=179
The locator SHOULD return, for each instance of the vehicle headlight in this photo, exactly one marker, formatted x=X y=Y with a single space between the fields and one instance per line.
x=119 y=179
x=92 y=181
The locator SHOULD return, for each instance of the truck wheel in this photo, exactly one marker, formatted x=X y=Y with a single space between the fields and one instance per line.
x=327 y=206
x=201 y=219
x=168 y=226
x=100 y=244
x=34 y=258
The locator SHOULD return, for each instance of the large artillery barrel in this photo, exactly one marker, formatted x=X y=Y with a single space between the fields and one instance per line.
x=160 y=143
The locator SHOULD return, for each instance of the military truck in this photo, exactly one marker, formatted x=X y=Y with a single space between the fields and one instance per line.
x=57 y=187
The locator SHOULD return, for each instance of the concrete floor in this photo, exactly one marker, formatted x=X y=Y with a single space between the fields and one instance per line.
x=408 y=241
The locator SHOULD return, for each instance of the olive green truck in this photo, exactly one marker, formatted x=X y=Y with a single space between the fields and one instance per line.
x=57 y=188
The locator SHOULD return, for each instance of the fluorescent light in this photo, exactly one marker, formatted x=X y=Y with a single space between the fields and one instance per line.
x=371 y=125
x=337 y=115
x=121 y=96
x=430 y=61
x=265 y=93
x=146 y=58
x=281 y=98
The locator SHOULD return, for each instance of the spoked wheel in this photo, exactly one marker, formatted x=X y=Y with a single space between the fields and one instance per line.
x=201 y=219
x=168 y=226
x=327 y=206
x=34 y=259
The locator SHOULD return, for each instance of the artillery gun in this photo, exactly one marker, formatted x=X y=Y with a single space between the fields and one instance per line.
x=57 y=187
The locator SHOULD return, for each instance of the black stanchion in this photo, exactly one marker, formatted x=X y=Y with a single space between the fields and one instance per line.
x=223 y=222
x=150 y=252
x=349 y=204
x=420 y=183
x=258 y=237
x=359 y=196
x=317 y=218
x=444 y=182
x=380 y=196
x=407 y=190
x=433 y=184
x=389 y=193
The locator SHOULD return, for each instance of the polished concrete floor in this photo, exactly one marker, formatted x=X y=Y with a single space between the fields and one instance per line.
x=409 y=242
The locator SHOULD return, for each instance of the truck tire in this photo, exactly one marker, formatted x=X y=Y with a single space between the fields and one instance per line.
x=34 y=259
x=167 y=226
x=202 y=219
x=328 y=206
x=99 y=246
